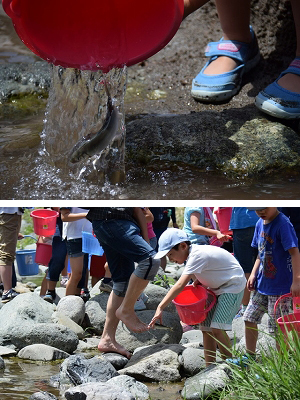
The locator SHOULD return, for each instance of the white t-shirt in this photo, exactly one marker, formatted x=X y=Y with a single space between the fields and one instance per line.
x=73 y=230
x=215 y=268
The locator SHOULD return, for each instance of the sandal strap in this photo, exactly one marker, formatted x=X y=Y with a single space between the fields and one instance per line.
x=293 y=68
x=237 y=50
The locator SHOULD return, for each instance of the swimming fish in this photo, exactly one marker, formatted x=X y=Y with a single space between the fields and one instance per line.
x=94 y=143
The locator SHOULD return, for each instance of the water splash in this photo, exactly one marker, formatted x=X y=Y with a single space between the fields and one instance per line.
x=77 y=106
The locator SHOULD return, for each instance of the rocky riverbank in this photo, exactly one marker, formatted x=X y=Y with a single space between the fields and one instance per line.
x=32 y=329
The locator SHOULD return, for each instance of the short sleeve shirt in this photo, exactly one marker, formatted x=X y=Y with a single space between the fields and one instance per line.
x=215 y=268
x=273 y=240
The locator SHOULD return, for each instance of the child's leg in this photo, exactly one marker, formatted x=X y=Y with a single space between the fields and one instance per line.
x=251 y=336
x=76 y=264
x=210 y=348
x=223 y=342
x=192 y=5
x=234 y=18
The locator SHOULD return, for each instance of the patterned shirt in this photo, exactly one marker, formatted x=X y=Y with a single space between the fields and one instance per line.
x=106 y=213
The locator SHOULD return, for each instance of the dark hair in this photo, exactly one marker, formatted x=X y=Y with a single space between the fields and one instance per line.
x=177 y=245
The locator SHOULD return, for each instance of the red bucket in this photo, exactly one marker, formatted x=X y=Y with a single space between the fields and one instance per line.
x=44 y=222
x=43 y=253
x=223 y=216
x=192 y=304
x=95 y=34
x=289 y=322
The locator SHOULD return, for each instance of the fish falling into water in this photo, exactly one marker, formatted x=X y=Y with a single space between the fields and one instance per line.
x=94 y=143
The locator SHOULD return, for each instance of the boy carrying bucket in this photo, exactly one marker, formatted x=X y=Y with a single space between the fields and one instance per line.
x=214 y=268
x=276 y=271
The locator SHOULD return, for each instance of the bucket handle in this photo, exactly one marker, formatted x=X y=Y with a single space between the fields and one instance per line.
x=213 y=301
x=280 y=298
x=32 y=237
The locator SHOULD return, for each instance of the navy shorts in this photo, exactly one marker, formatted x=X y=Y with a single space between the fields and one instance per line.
x=74 y=247
x=243 y=252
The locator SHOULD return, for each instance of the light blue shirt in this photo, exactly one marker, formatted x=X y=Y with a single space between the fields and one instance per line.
x=194 y=237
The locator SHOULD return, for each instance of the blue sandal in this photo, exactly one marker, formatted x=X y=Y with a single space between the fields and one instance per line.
x=279 y=102
x=221 y=87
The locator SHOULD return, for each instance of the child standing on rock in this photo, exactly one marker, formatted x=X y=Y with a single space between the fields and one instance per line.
x=214 y=268
x=276 y=272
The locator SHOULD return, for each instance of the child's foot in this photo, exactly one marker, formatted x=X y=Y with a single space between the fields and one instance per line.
x=130 y=319
x=221 y=77
x=281 y=99
x=108 y=346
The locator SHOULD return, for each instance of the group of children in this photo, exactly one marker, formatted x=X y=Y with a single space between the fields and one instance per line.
x=276 y=271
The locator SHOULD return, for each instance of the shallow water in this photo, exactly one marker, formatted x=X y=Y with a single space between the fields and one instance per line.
x=21 y=379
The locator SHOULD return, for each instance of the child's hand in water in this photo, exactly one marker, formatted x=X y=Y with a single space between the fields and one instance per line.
x=157 y=317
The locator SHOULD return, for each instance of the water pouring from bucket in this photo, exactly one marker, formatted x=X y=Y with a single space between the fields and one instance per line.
x=99 y=36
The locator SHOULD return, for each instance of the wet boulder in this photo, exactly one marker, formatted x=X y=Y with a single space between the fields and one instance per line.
x=77 y=370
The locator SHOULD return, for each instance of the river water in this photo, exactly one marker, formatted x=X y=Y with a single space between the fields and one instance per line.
x=32 y=175
x=23 y=378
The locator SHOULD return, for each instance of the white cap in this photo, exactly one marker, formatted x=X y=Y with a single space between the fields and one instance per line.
x=169 y=239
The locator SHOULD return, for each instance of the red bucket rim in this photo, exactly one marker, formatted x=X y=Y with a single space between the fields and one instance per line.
x=54 y=213
x=192 y=288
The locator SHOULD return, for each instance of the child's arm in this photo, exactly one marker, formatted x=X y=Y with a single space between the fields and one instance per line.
x=139 y=216
x=174 y=291
x=295 y=255
x=201 y=230
x=252 y=277
x=148 y=214
x=67 y=216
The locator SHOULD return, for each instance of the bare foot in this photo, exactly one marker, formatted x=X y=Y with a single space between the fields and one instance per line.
x=131 y=320
x=107 y=346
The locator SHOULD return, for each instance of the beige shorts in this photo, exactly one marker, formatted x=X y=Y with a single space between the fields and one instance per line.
x=10 y=225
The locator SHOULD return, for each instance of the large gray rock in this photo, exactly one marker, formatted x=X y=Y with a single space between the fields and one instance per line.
x=51 y=334
x=27 y=320
x=42 y=352
x=73 y=307
x=192 y=361
x=77 y=370
x=171 y=332
x=98 y=391
x=117 y=388
x=155 y=295
x=62 y=319
x=95 y=309
x=26 y=308
x=155 y=363
x=257 y=147
x=206 y=382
